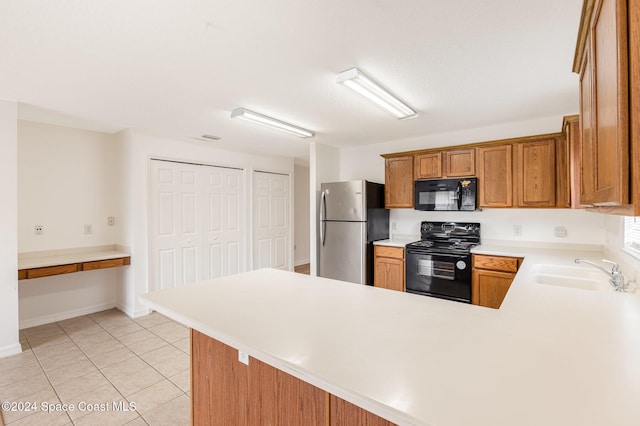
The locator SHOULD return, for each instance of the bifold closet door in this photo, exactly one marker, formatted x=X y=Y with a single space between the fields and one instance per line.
x=196 y=223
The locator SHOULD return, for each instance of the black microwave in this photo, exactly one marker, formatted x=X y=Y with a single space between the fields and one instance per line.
x=446 y=194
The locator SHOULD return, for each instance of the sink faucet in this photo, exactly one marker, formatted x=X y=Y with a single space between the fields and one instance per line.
x=615 y=275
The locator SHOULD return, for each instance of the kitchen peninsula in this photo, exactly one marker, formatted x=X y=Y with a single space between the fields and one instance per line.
x=549 y=355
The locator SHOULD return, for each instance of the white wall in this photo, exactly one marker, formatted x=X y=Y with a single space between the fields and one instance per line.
x=325 y=167
x=137 y=148
x=67 y=178
x=9 y=340
x=537 y=225
x=301 y=216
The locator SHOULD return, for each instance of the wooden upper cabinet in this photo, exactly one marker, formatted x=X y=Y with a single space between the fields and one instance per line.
x=398 y=178
x=571 y=135
x=428 y=166
x=495 y=181
x=460 y=163
x=535 y=173
x=604 y=103
x=445 y=164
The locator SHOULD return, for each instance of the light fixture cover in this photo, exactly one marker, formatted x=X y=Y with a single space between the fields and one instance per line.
x=264 y=120
x=358 y=81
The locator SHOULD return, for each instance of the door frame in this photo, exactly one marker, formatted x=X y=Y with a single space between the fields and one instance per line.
x=290 y=207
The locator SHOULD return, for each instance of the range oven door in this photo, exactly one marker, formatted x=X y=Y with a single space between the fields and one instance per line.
x=440 y=275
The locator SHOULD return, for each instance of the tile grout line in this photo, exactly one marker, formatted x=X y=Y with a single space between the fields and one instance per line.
x=89 y=358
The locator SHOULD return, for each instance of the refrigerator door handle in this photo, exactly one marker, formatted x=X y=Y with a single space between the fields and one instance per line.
x=323 y=212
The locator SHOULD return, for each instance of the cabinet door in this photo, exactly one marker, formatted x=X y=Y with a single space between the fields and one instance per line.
x=398 y=189
x=571 y=131
x=563 y=173
x=389 y=273
x=535 y=172
x=428 y=166
x=460 y=163
x=605 y=108
x=495 y=176
x=490 y=287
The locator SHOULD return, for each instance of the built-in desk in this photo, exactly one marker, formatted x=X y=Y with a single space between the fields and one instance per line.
x=55 y=262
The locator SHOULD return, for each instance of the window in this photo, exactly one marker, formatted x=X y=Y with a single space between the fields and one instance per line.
x=632 y=234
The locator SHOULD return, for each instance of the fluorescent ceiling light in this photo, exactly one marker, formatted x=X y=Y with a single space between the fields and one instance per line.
x=356 y=80
x=254 y=117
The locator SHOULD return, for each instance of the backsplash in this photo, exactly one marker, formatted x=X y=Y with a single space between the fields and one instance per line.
x=517 y=225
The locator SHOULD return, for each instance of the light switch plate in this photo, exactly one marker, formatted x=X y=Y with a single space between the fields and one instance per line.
x=243 y=357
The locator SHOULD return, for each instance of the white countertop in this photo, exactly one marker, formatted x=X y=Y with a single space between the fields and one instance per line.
x=40 y=259
x=396 y=241
x=549 y=356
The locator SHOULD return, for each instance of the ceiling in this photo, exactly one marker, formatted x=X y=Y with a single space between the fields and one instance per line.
x=178 y=67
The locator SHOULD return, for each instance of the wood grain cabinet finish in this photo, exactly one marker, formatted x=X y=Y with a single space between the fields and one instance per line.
x=535 y=173
x=495 y=178
x=428 y=166
x=225 y=392
x=48 y=271
x=460 y=163
x=398 y=178
x=491 y=279
x=389 y=268
x=571 y=148
x=604 y=102
x=344 y=413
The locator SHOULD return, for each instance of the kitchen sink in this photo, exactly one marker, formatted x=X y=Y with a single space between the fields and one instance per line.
x=571 y=277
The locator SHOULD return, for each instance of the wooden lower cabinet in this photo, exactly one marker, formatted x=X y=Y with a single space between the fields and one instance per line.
x=491 y=279
x=225 y=391
x=389 y=268
x=343 y=413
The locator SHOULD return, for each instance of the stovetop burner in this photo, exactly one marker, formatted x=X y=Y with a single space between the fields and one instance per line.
x=447 y=237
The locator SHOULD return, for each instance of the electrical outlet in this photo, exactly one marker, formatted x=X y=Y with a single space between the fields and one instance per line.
x=517 y=230
x=111 y=221
x=88 y=229
x=243 y=357
x=394 y=226
x=38 y=229
x=560 y=232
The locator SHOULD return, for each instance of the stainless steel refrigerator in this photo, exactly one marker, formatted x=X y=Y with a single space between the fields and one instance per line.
x=352 y=217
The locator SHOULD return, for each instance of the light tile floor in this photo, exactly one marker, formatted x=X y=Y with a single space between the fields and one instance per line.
x=100 y=363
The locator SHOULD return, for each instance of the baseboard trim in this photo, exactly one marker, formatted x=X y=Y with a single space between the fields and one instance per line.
x=60 y=316
x=133 y=313
x=302 y=262
x=9 y=350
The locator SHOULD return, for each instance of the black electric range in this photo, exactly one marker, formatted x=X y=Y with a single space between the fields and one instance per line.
x=439 y=265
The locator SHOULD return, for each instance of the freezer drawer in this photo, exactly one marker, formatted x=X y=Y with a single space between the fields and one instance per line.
x=343 y=251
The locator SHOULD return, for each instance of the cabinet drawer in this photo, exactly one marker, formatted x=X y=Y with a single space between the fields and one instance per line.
x=496 y=263
x=52 y=270
x=386 y=251
x=108 y=263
